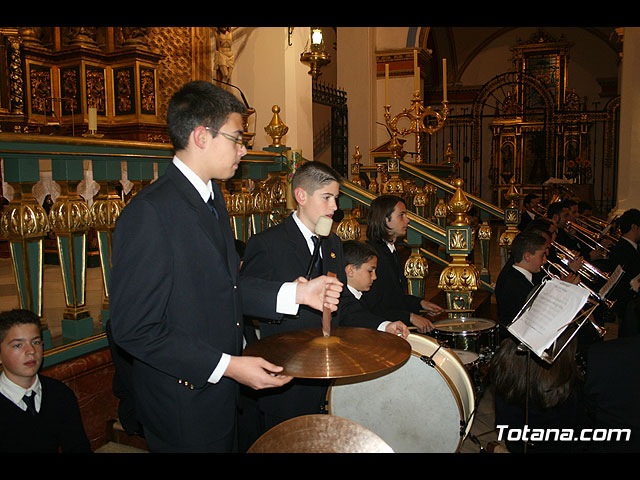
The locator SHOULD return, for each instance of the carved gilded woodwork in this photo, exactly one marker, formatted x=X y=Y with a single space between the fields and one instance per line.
x=276 y=128
x=459 y=279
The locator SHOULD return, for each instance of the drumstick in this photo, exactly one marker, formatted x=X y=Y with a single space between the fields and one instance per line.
x=326 y=315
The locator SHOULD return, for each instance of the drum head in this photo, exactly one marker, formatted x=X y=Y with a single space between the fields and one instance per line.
x=413 y=409
x=464 y=325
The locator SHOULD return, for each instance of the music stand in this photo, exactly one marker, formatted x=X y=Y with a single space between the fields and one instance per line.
x=564 y=335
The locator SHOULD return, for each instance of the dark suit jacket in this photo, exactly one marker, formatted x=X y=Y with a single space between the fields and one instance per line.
x=388 y=295
x=354 y=312
x=525 y=220
x=623 y=254
x=612 y=390
x=281 y=253
x=176 y=307
x=512 y=291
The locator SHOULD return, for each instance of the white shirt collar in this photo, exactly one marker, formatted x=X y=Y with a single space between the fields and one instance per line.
x=528 y=275
x=391 y=246
x=204 y=189
x=306 y=233
x=15 y=392
x=356 y=293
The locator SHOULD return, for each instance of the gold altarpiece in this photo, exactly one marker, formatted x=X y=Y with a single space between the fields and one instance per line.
x=51 y=76
x=540 y=129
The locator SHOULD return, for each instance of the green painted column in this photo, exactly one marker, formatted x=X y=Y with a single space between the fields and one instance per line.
x=70 y=220
x=105 y=211
x=24 y=224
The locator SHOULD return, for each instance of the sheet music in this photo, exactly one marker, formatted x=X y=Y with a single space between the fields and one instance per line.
x=613 y=279
x=553 y=309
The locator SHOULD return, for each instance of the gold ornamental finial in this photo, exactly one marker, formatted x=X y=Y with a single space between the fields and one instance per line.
x=459 y=205
x=276 y=128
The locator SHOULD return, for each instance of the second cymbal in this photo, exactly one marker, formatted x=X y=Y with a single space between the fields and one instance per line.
x=347 y=352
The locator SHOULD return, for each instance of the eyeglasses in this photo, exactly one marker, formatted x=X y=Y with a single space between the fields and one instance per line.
x=236 y=140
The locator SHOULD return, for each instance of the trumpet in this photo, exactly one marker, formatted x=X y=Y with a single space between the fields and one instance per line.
x=585 y=236
x=599 y=228
x=594 y=298
x=563 y=272
x=588 y=271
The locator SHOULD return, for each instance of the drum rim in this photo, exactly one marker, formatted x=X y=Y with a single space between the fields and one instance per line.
x=468 y=383
x=492 y=325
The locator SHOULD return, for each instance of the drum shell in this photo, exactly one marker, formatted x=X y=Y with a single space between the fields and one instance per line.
x=482 y=341
x=425 y=405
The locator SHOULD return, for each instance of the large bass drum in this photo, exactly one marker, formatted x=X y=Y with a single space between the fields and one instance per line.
x=425 y=405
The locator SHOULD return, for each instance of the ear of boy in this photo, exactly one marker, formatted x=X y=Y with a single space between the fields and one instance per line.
x=349 y=270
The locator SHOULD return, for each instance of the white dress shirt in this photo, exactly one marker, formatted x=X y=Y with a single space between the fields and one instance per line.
x=15 y=392
x=528 y=275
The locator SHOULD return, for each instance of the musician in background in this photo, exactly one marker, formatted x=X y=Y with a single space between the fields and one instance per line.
x=625 y=254
x=529 y=207
x=587 y=252
x=539 y=395
x=387 y=222
x=361 y=262
x=559 y=213
x=518 y=278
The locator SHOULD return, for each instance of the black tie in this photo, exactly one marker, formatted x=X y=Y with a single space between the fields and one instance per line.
x=212 y=206
x=30 y=400
x=317 y=266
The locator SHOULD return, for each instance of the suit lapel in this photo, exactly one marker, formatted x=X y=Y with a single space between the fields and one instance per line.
x=214 y=230
x=298 y=243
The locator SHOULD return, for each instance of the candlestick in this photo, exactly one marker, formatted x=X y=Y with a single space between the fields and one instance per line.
x=386 y=84
x=93 y=119
x=416 y=73
x=444 y=80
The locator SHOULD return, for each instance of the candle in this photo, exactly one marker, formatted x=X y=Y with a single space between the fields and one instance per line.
x=93 y=119
x=416 y=71
x=444 y=79
x=386 y=84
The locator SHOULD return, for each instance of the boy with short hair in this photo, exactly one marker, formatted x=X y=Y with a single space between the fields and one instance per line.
x=38 y=414
x=284 y=253
x=361 y=261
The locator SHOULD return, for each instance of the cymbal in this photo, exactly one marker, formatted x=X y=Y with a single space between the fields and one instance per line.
x=347 y=352
x=319 y=434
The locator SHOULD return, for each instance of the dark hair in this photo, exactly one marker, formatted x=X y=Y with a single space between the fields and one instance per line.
x=14 y=317
x=555 y=209
x=529 y=197
x=526 y=242
x=539 y=225
x=380 y=210
x=549 y=384
x=310 y=176
x=356 y=253
x=199 y=103
x=569 y=203
x=628 y=218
